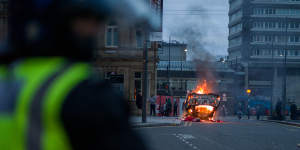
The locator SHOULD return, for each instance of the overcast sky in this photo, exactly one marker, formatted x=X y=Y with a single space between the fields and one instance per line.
x=204 y=21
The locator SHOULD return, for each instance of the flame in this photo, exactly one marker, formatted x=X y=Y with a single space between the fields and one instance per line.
x=205 y=108
x=202 y=88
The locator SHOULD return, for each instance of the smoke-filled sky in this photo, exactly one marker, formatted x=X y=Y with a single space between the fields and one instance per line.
x=200 y=23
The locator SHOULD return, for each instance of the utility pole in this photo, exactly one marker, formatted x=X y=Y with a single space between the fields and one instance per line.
x=169 y=66
x=181 y=69
x=273 y=71
x=145 y=82
x=285 y=70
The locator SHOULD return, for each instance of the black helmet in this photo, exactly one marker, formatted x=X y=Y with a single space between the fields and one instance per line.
x=42 y=27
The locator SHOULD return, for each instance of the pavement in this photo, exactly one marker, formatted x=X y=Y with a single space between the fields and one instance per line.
x=232 y=134
x=136 y=121
x=286 y=122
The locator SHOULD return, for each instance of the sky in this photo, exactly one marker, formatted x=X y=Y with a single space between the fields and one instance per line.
x=202 y=24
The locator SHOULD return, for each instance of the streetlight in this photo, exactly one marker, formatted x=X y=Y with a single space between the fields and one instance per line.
x=185 y=51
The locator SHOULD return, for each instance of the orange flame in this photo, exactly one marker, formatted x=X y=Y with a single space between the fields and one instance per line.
x=202 y=88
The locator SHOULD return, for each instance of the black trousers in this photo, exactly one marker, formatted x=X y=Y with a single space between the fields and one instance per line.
x=152 y=109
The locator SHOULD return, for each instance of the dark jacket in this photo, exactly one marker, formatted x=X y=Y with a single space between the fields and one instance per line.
x=139 y=101
x=95 y=117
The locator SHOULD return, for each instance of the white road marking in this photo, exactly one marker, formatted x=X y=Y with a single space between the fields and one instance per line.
x=184 y=138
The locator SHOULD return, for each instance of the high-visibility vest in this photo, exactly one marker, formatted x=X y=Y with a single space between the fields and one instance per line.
x=5 y=117
x=40 y=87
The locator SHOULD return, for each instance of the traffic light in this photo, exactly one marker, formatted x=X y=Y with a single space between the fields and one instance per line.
x=248 y=91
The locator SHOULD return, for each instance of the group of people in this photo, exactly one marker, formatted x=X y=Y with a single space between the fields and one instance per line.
x=259 y=110
x=164 y=109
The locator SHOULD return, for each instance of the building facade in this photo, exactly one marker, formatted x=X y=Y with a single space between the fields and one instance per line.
x=173 y=51
x=264 y=43
x=184 y=76
x=121 y=54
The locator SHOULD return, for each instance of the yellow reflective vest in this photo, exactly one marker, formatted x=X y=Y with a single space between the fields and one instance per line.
x=40 y=86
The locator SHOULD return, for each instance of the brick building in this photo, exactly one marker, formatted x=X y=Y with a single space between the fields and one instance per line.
x=120 y=56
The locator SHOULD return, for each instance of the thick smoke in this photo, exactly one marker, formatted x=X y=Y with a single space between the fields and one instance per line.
x=193 y=34
x=138 y=11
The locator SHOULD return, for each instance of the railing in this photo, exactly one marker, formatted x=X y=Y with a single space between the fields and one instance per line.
x=263 y=83
x=275 y=2
x=275 y=29
x=131 y=53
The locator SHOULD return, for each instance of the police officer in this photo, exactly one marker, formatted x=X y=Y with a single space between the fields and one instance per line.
x=56 y=101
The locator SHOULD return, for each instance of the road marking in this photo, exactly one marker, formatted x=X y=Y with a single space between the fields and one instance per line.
x=184 y=138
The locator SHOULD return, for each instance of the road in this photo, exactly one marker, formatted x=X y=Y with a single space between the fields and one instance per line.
x=233 y=134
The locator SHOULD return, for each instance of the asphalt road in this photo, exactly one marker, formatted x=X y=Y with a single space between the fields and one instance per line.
x=231 y=135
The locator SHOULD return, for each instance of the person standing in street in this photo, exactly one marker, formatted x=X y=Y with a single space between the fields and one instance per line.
x=152 y=101
x=139 y=101
x=175 y=109
x=54 y=100
x=169 y=107
x=248 y=112
x=258 y=112
x=278 y=109
x=293 y=110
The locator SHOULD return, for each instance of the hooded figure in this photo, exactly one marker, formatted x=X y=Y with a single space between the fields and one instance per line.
x=53 y=98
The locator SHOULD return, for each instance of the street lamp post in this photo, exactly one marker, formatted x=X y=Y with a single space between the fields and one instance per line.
x=145 y=83
x=169 y=66
x=285 y=70
x=273 y=72
x=182 y=75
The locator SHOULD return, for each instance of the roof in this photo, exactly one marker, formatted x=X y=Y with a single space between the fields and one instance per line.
x=191 y=66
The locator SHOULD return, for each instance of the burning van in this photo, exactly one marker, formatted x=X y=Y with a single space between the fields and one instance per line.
x=200 y=104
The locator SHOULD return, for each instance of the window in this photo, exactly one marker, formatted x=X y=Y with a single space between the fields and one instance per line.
x=235 y=42
x=269 y=38
x=293 y=39
x=258 y=11
x=236 y=28
x=282 y=25
x=258 y=38
x=138 y=75
x=270 y=25
x=112 y=36
x=270 y=11
x=256 y=52
x=236 y=15
x=293 y=25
